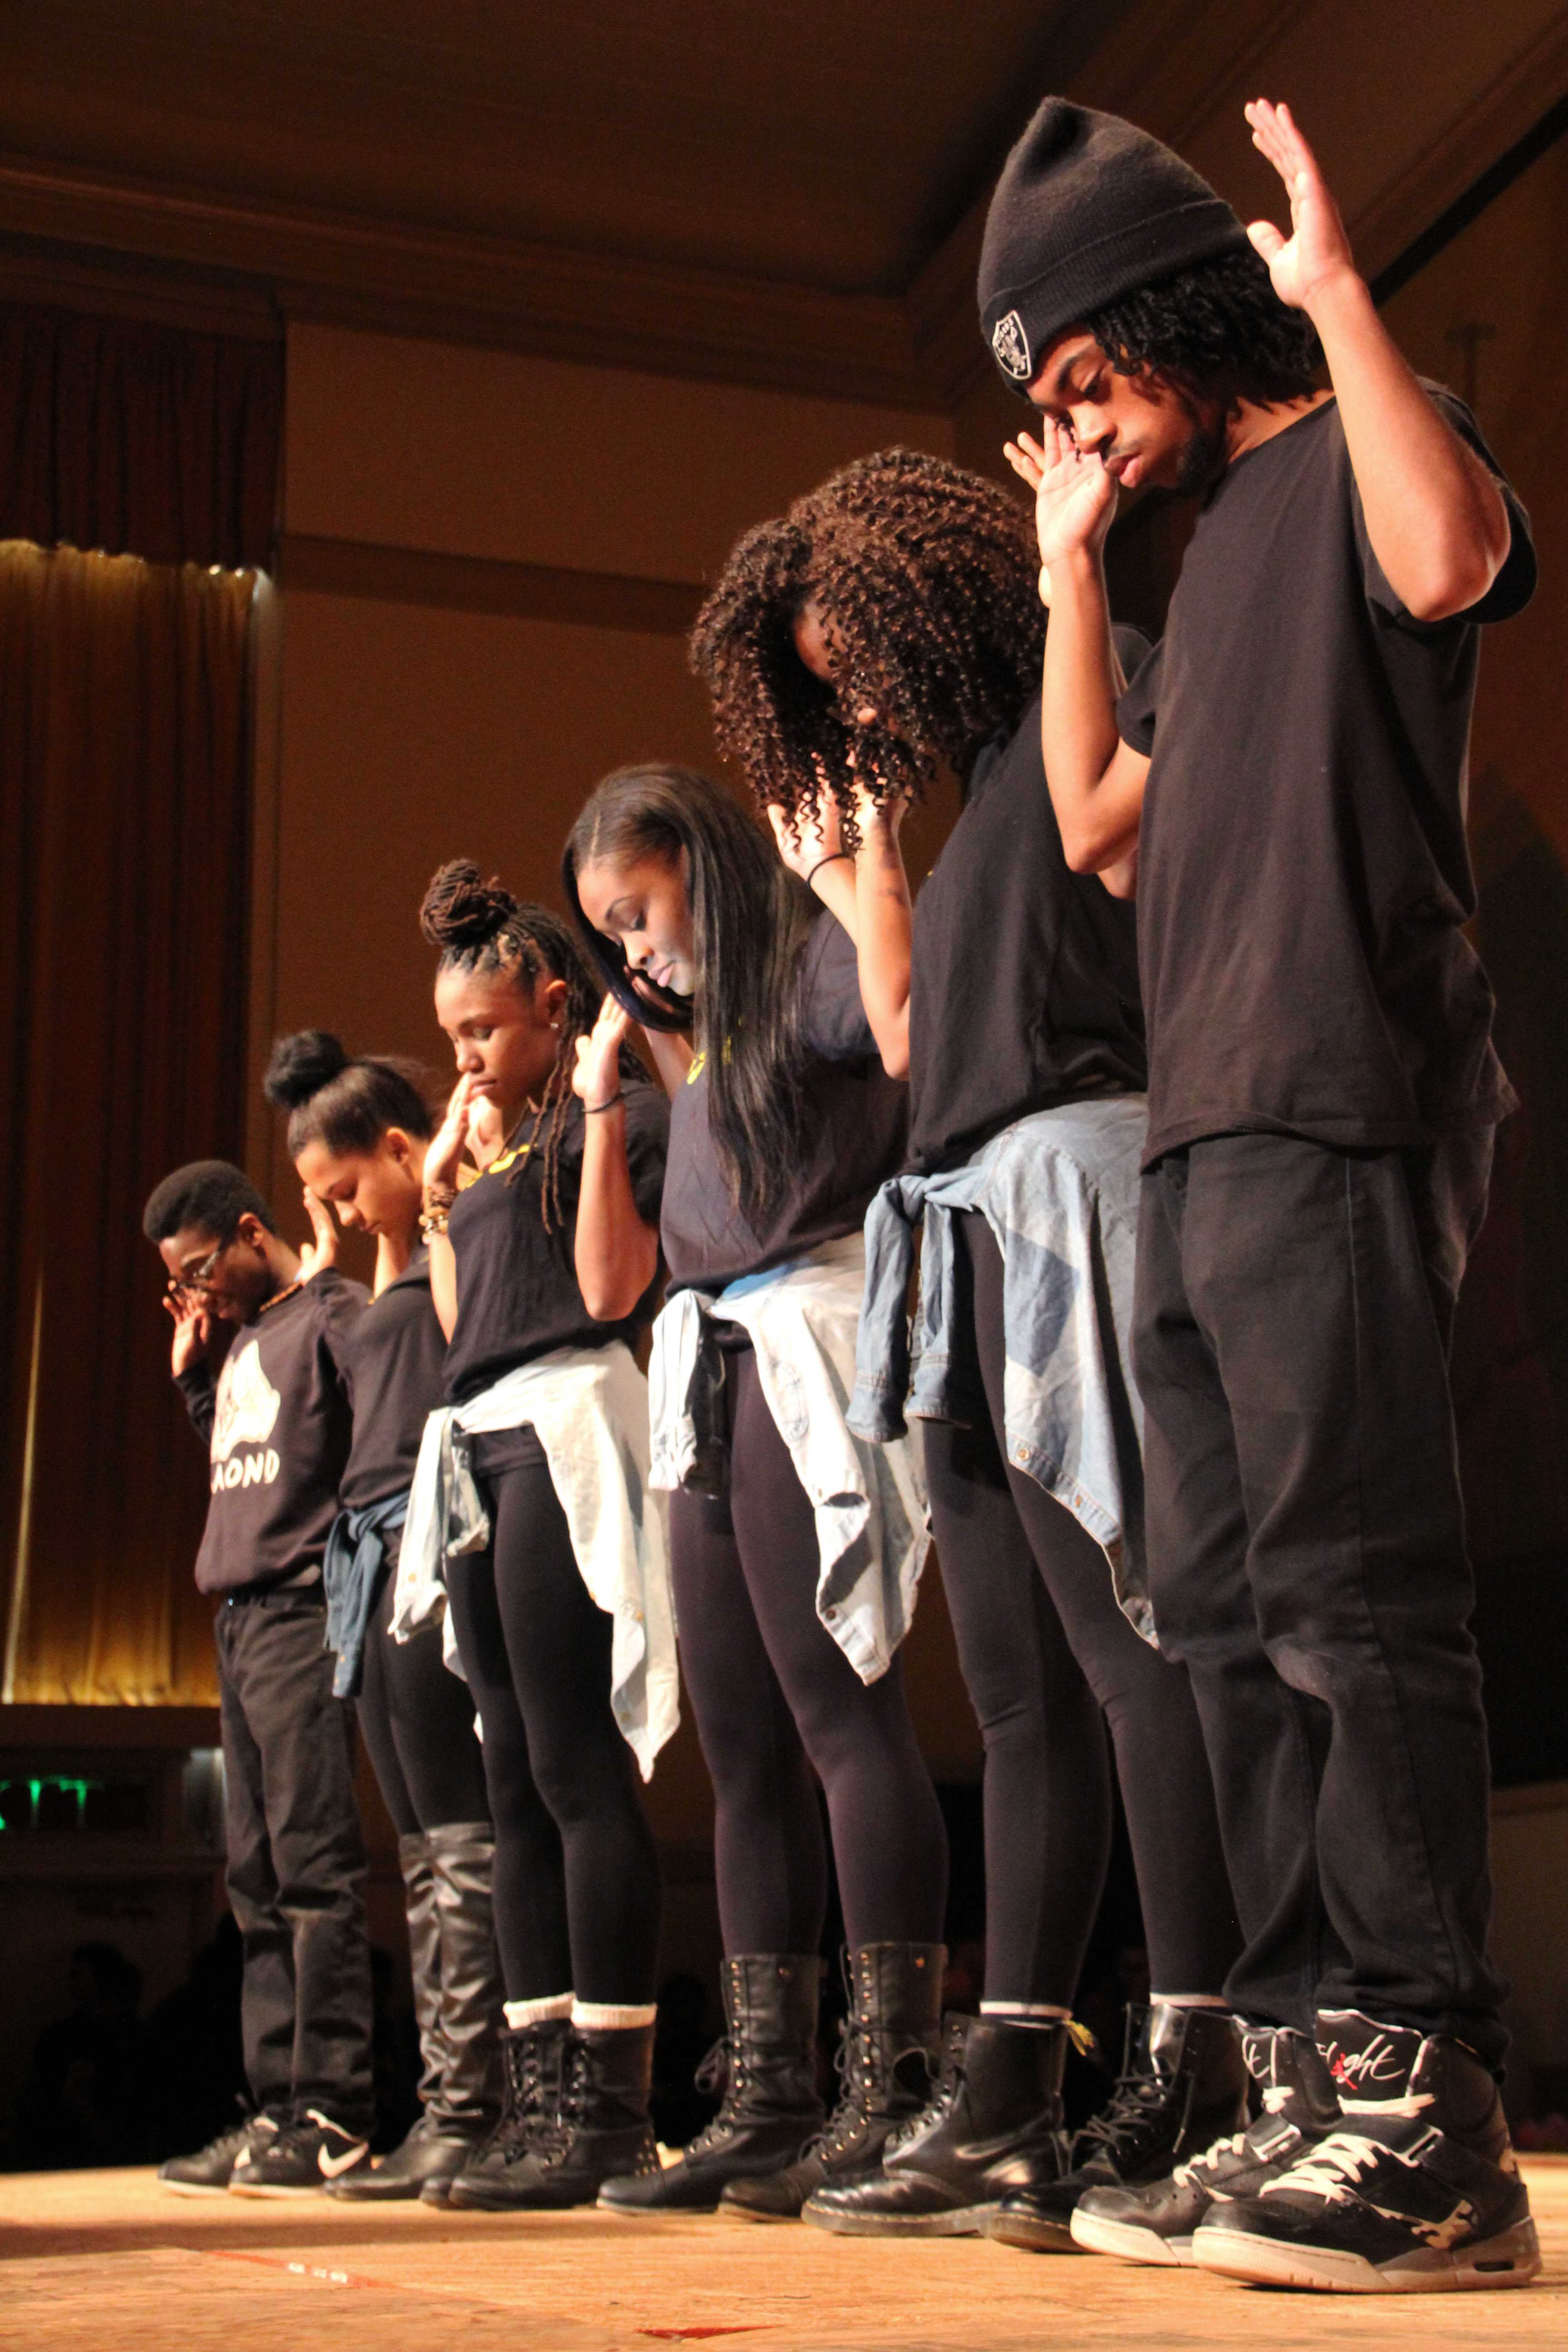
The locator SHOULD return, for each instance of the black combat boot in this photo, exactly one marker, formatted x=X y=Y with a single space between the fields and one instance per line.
x=602 y=2130
x=533 y=2058
x=1182 y=2085
x=457 y=2005
x=995 y=2125
x=770 y=2106
x=1156 y=2224
x=886 y=2068
x=1415 y=2190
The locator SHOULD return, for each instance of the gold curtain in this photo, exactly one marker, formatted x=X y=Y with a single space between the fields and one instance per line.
x=123 y=851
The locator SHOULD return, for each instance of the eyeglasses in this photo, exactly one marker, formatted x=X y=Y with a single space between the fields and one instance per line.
x=199 y=1279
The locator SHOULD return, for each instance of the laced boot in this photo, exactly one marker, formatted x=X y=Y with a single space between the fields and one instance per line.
x=533 y=2058
x=1156 y=2223
x=1182 y=2085
x=602 y=2129
x=994 y=2124
x=887 y=2067
x=766 y=2065
x=1415 y=2190
x=457 y=2004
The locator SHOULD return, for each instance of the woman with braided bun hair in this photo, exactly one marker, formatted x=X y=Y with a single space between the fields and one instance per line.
x=890 y=626
x=358 y=1133
x=530 y=1509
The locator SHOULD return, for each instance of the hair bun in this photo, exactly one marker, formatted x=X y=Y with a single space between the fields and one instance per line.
x=461 y=911
x=302 y=1066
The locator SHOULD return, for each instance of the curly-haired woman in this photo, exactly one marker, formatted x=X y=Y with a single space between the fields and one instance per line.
x=887 y=626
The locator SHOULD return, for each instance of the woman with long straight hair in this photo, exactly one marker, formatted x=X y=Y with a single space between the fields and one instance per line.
x=530 y=1509
x=358 y=1133
x=887 y=629
x=795 y=1549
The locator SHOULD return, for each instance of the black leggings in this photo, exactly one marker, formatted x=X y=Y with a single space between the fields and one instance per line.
x=418 y=1724
x=1050 y=1660
x=774 y=1697
x=576 y=1889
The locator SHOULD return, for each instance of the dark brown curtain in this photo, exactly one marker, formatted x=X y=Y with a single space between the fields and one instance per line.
x=138 y=439
x=123 y=851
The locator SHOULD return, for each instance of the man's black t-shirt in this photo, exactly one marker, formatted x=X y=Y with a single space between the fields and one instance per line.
x=1303 y=873
x=1023 y=987
x=854 y=1122
x=278 y=1424
x=396 y=1358
x=517 y=1287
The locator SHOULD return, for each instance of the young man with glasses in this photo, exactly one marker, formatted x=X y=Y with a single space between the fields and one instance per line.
x=276 y=1421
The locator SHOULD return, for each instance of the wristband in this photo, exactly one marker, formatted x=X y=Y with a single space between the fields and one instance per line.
x=618 y=1096
x=831 y=859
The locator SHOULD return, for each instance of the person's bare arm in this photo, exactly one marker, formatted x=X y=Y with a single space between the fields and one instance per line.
x=617 y=1252
x=815 y=851
x=441 y=1164
x=884 y=927
x=1096 y=781
x=1436 y=519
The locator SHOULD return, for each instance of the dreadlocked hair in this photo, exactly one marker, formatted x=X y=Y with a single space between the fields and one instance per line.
x=346 y=1105
x=1217 y=328
x=750 y=920
x=924 y=576
x=479 y=926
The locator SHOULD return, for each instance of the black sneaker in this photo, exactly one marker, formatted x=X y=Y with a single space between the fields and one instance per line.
x=1156 y=2224
x=299 y=2160
x=207 y=2172
x=1415 y=2192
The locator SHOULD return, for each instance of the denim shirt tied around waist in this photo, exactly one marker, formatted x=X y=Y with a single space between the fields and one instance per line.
x=868 y=1500
x=350 y=1582
x=1060 y=1192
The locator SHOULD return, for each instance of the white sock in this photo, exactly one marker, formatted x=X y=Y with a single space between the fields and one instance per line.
x=519 y=2014
x=1188 y=2001
x=1028 y=2012
x=609 y=2016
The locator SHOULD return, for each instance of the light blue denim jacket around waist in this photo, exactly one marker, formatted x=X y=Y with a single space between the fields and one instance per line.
x=1060 y=1192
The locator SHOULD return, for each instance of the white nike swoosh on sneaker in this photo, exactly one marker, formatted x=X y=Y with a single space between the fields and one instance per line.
x=332 y=2165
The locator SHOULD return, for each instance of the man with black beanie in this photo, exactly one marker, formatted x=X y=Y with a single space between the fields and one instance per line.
x=1289 y=766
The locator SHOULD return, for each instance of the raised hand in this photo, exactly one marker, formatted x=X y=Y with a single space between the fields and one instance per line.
x=322 y=1250
x=597 y=1076
x=193 y=1327
x=1317 y=254
x=1075 y=498
x=444 y=1156
x=817 y=833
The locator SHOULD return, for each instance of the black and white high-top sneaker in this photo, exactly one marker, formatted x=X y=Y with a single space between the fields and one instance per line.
x=208 y=2170
x=1156 y=2224
x=1414 y=2191
x=301 y=2159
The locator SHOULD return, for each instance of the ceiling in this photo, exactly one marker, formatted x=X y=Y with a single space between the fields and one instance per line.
x=818 y=145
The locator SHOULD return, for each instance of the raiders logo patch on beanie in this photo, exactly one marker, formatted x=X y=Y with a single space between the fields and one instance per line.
x=1087 y=208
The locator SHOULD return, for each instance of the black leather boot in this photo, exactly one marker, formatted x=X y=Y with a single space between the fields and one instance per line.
x=458 y=2004
x=770 y=2106
x=886 y=2068
x=534 y=2060
x=994 y=2126
x=1182 y=2085
x=602 y=2130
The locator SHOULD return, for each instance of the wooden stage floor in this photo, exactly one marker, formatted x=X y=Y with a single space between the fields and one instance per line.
x=96 y=2260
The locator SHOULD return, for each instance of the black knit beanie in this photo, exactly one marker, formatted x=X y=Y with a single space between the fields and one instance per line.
x=1087 y=208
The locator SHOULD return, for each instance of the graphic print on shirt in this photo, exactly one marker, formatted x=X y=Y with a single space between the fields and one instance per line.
x=246 y=1413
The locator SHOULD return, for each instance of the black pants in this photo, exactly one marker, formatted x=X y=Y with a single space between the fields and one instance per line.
x=295 y=1861
x=776 y=1698
x=418 y=1723
x=576 y=1891
x=1308 y=1543
x=1049 y=1662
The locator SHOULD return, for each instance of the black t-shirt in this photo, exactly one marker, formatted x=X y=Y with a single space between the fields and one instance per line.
x=517 y=1288
x=1024 y=988
x=1303 y=873
x=396 y=1358
x=278 y=1424
x=854 y=1123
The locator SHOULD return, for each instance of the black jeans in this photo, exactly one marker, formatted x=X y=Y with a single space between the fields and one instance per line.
x=1050 y=1663
x=417 y=1718
x=295 y=1861
x=1307 y=1543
